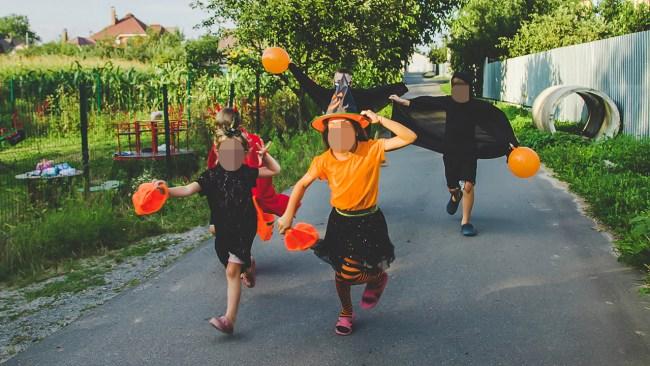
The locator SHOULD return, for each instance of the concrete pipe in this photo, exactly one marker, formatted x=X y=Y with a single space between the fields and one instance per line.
x=603 y=118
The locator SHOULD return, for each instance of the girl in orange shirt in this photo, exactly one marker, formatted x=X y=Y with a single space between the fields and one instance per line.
x=356 y=243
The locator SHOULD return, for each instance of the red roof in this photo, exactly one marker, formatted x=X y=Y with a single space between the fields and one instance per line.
x=127 y=25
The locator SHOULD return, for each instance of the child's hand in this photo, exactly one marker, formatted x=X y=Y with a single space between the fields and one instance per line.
x=398 y=100
x=262 y=149
x=212 y=230
x=284 y=223
x=372 y=116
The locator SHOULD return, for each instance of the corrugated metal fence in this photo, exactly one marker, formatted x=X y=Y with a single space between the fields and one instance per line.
x=618 y=66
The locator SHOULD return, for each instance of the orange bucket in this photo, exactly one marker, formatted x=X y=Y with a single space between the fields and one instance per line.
x=150 y=198
x=264 y=222
x=300 y=237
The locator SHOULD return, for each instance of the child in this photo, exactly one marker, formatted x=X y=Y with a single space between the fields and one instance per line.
x=227 y=188
x=356 y=243
x=269 y=200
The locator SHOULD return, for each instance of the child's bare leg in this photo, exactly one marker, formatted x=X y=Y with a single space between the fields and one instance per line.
x=468 y=202
x=233 y=272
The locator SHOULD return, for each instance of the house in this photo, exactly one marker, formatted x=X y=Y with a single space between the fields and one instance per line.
x=121 y=30
x=419 y=63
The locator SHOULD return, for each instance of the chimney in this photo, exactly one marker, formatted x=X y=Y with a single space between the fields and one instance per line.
x=113 y=16
x=64 y=36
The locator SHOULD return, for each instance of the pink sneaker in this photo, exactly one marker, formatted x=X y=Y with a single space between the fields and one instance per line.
x=222 y=324
x=371 y=296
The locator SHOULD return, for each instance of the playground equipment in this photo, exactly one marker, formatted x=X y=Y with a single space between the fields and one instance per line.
x=131 y=134
x=14 y=134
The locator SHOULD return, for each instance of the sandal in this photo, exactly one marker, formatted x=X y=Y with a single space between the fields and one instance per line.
x=222 y=324
x=248 y=277
x=344 y=325
x=371 y=295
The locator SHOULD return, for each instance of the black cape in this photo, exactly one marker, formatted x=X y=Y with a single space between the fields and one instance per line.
x=426 y=116
x=374 y=98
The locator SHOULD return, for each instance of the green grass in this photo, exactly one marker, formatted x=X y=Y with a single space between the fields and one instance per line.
x=613 y=176
x=445 y=88
x=73 y=282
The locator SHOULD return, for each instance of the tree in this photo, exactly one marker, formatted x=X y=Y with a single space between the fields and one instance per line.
x=438 y=55
x=17 y=27
x=624 y=16
x=323 y=35
x=204 y=55
x=571 y=23
x=476 y=29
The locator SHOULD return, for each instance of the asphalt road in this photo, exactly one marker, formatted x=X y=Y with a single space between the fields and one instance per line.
x=537 y=286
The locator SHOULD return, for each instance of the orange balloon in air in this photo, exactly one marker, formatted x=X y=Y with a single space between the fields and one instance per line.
x=150 y=198
x=300 y=237
x=275 y=60
x=523 y=162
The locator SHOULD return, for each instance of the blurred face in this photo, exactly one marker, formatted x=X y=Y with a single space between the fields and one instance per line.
x=231 y=154
x=341 y=135
x=459 y=90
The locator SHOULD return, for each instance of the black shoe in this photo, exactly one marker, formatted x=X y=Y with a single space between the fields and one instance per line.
x=452 y=206
x=468 y=230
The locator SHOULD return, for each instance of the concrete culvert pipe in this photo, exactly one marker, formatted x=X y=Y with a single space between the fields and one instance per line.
x=603 y=118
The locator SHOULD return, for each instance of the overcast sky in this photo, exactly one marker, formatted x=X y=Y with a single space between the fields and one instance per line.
x=48 y=17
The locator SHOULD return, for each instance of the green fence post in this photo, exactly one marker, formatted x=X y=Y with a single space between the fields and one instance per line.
x=12 y=96
x=83 y=122
x=98 y=91
x=189 y=95
x=168 y=157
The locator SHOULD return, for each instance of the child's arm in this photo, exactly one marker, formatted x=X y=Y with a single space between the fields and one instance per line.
x=398 y=100
x=297 y=194
x=184 y=191
x=270 y=168
x=404 y=135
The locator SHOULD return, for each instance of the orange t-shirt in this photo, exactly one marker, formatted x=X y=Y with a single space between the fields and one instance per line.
x=354 y=182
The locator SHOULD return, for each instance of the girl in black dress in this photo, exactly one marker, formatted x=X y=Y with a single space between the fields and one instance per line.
x=227 y=187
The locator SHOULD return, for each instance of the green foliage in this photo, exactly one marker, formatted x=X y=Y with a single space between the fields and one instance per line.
x=438 y=55
x=203 y=55
x=323 y=35
x=477 y=27
x=570 y=23
x=16 y=27
x=613 y=176
x=624 y=16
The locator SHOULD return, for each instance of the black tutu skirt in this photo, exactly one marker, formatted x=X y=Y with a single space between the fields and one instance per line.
x=363 y=238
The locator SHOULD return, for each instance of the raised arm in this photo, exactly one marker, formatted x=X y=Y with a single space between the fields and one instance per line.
x=403 y=135
x=297 y=194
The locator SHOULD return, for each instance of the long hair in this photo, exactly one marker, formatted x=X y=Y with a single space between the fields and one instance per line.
x=359 y=132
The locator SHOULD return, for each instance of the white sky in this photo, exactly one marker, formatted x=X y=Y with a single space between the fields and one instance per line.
x=48 y=17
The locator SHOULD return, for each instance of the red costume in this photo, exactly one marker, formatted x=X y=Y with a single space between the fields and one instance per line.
x=269 y=200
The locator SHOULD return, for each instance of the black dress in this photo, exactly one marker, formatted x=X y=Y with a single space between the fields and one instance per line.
x=232 y=211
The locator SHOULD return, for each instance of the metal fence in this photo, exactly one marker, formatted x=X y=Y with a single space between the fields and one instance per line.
x=618 y=66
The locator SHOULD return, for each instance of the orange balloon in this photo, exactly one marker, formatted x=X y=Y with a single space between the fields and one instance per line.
x=275 y=60
x=300 y=237
x=523 y=162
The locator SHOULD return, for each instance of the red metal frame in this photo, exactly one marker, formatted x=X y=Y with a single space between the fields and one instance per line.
x=155 y=128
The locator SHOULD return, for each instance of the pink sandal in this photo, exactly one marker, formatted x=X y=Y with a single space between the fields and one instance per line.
x=222 y=324
x=344 y=325
x=371 y=296
x=248 y=277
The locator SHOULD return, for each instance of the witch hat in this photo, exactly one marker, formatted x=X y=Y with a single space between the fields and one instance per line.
x=342 y=105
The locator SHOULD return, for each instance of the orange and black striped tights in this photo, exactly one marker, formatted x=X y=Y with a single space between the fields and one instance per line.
x=352 y=273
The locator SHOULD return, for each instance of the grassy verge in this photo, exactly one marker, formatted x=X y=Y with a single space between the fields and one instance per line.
x=613 y=176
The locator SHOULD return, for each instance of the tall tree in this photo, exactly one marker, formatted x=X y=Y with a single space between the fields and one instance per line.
x=322 y=35
x=17 y=27
x=476 y=29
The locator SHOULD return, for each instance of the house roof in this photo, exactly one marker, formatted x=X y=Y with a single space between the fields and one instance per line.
x=127 y=25
x=82 y=41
